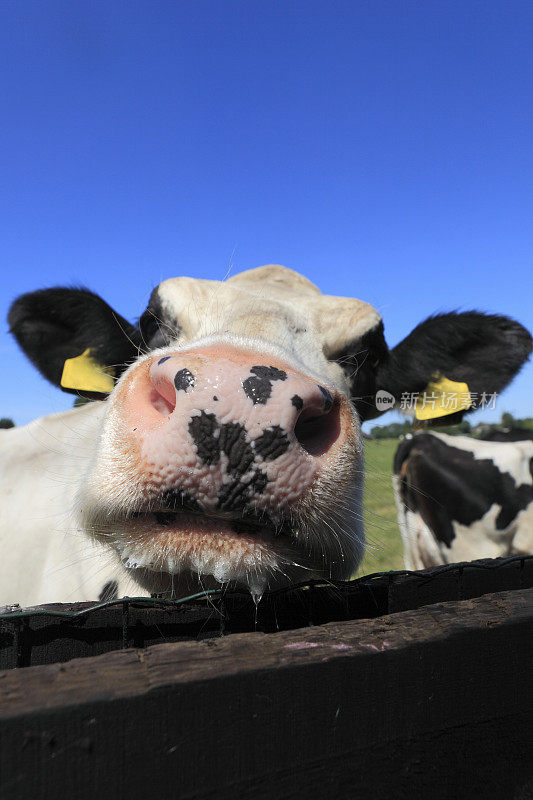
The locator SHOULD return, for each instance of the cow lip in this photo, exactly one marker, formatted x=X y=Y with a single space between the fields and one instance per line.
x=165 y=518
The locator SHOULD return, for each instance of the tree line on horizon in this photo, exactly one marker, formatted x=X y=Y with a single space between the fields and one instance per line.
x=397 y=429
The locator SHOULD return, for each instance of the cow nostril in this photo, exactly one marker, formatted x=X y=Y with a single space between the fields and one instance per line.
x=317 y=432
x=163 y=399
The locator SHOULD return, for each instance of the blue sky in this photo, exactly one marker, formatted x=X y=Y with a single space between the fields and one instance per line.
x=384 y=149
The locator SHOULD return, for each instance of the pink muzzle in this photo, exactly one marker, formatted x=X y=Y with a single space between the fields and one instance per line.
x=226 y=432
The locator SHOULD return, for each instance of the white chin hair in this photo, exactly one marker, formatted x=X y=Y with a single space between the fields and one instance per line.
x=255 y=569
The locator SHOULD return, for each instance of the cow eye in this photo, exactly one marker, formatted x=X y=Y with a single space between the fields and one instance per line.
x=149 y=328
x=154 y=332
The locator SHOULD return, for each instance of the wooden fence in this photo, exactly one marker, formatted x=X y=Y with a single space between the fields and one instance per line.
x=402 y=685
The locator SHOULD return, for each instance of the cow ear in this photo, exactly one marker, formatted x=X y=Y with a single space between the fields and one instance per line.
x=74 y=339
x=454 y=363
x=360 y=360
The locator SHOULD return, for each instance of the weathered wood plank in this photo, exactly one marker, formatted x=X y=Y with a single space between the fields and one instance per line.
x=434 y=700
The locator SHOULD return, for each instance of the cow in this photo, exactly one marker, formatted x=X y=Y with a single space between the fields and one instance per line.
x=461 y=498
x=222 y=444
x=505 y=434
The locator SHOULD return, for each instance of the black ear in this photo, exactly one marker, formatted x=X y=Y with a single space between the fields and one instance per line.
x=483 y=351
x=55 y=326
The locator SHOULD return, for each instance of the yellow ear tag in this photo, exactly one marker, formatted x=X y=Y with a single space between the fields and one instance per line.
x=442 y=397
x=87 y=375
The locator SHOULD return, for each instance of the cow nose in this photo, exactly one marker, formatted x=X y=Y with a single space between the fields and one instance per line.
x=317 y=425
x=280 y=406
x=166 y=382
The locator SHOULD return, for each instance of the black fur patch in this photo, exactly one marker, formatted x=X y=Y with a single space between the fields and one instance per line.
x=484 y=351
x=183 y=380
x=157 y=328
x=272 y=443
x=259 y=387
x=203 y=429
x=444 y=483
x=360 y=361
x=109 y=592
x=297 y=402
x=232 y=442
x=53 y=325
x=328 y=399
x=511 y=435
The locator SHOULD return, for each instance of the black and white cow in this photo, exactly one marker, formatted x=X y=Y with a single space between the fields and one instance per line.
x=506 y=435
x=461 y=498
x=226 y=442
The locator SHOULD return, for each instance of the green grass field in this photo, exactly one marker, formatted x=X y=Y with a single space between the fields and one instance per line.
x=384 y=544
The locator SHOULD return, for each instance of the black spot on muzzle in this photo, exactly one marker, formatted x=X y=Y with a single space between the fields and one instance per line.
x=297 y=402
x=183 y=380
x=203 y=429
x=272 y=443
x=259 y=386
x=236 y=495
x=233 y=443
x=212 y=438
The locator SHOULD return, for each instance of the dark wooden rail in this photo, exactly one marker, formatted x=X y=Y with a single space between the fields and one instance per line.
x=426 y=703
x=39 y=636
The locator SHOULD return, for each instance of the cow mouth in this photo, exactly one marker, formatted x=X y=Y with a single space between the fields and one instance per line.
x=186 y=529
x=198 y=522
x=247 y=548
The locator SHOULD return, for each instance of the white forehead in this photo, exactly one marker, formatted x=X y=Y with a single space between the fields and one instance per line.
x=270 y=303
